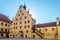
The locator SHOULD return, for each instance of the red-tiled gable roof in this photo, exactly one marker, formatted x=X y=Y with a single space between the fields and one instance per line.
x=4 y=18
x=45 y=24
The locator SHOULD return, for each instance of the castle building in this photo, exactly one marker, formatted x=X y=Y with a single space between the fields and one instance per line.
x=23 y=26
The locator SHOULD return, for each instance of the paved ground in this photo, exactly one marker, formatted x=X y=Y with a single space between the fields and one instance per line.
x=23 y=39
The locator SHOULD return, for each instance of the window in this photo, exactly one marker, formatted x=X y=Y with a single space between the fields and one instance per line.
x=13 y=36
x=20 y=17
x=25 y=21
x=28 y=26
x=11 y=32
x=10 y=28
x=20 y=10
x=40 y=30
x=14 y=27
x=52 y=29
x=6 y=30
x=22 y=14
x=20 y=26
x=8 y=25
x=25 y=17
x=16 y=35
x=1 y=23
x=5 y=24
x=45 y=29
x=28 y=21
x=2 y=35
x=33 y=36
x=20 y=22
x=16 y=18
x=10 y=35
x=25 y=26
x=14 y=23
x=1 y=29
x=27 y=31
x=26 y=36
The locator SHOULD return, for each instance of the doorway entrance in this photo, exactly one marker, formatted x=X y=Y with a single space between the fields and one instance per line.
x=7 y=36
x=20 y=34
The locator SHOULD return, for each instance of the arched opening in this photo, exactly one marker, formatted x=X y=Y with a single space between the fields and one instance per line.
x=7 y=36
x=20 y=34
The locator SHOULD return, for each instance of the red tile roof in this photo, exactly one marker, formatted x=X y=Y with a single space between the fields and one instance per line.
x=45 y=24
x=4 y=18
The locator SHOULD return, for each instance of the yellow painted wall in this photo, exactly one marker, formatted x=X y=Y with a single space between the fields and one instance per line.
x=49 y=33
x=4 y=27
x=23 y=29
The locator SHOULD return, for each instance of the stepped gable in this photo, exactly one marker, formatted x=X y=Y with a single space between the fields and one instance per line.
x=4 y=18
x=45 y=24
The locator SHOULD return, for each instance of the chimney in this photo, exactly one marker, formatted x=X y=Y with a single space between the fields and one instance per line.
x=57 y=21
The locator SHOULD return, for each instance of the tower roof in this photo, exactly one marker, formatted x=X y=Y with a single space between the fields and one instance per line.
x=24 y=6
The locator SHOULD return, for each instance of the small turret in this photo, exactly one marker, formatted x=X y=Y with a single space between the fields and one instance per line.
x=28 y=10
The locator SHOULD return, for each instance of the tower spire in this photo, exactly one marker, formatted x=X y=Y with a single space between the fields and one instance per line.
x=24 y=6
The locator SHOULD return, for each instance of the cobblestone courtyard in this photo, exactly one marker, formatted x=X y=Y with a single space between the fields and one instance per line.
x=23 y=39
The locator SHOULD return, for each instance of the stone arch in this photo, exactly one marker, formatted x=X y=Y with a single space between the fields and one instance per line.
x=20 y=33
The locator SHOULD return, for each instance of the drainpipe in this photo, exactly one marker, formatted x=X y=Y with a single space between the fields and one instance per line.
x=43 y=32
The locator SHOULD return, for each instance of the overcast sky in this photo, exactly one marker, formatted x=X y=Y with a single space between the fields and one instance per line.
x=43 y=11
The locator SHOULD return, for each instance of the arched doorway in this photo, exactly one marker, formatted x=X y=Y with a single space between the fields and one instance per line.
x=20 y=34
x=7 y=36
